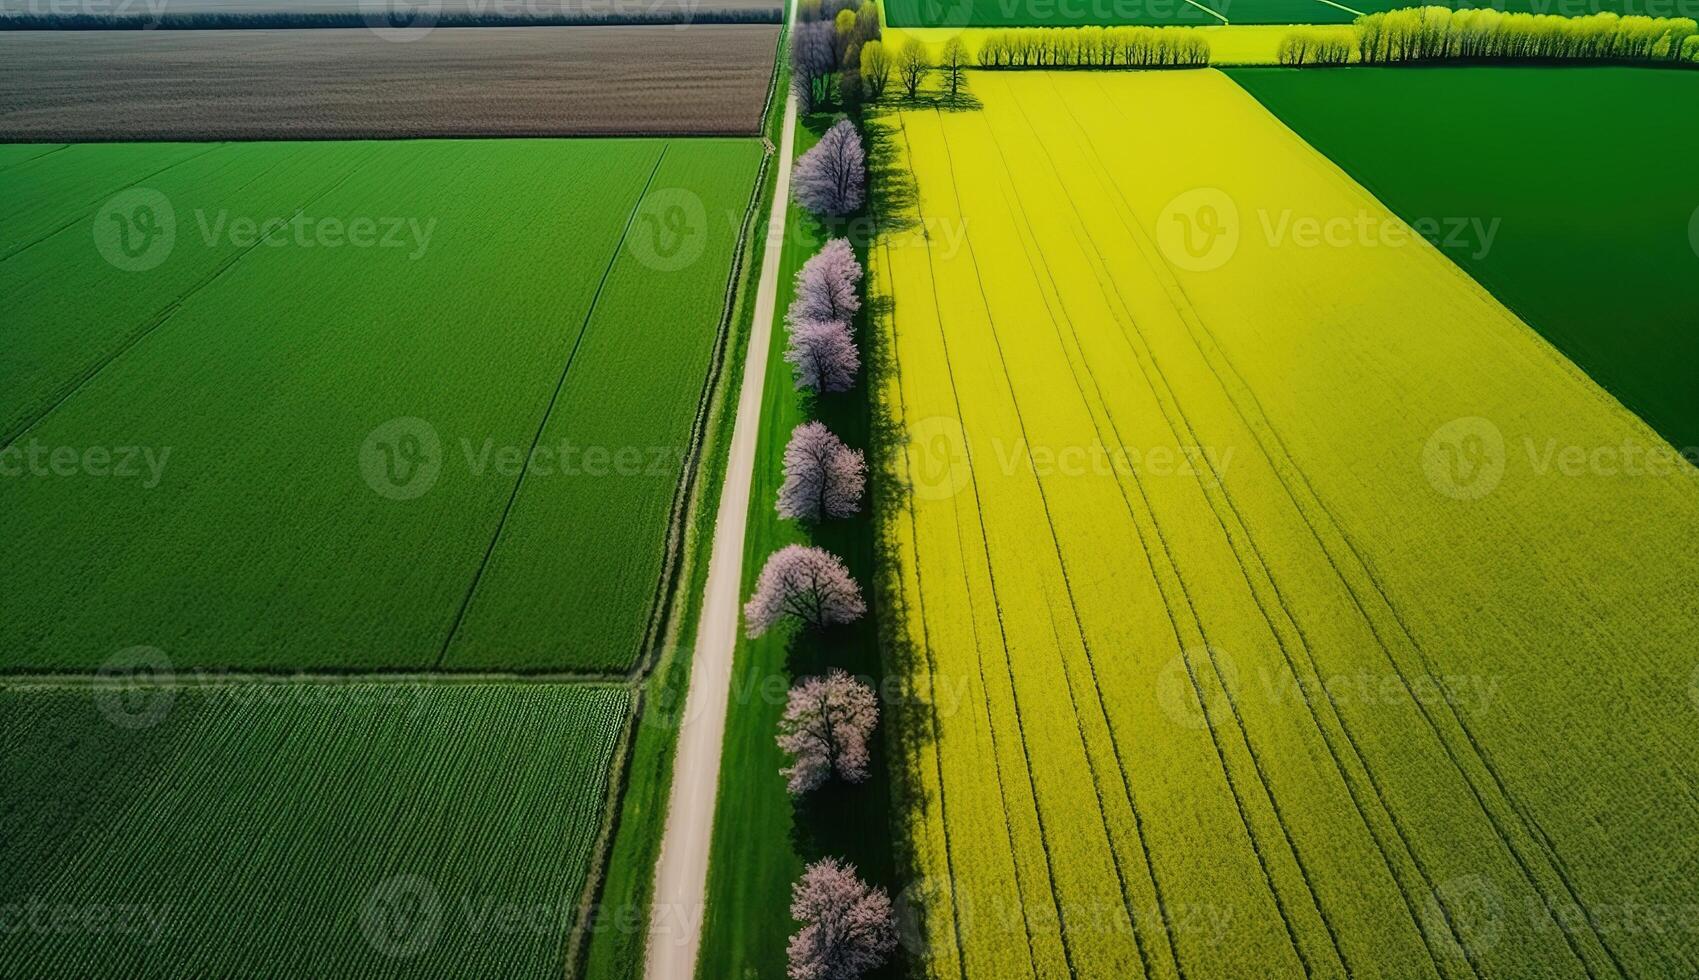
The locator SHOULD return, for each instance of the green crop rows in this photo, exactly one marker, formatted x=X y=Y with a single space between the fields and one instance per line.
x=557 y=301
x=238 y=829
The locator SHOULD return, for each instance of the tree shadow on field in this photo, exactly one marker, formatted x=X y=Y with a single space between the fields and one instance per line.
x=866 y=823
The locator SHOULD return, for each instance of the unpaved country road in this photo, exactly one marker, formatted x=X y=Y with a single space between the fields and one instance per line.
x=681 y=876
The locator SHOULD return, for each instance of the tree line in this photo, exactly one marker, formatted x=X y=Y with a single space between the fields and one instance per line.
x=848 y=926
x=309 y=20
x=1418 y=34
x=1095 y=47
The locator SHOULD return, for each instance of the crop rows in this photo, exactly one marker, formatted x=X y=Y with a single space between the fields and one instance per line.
x=320 y=829
x=356 y=83
x=522 y=307
x=1202 y=710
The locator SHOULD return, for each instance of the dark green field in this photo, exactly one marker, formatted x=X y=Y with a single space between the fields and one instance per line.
x=311 y=830
x=1590 y=173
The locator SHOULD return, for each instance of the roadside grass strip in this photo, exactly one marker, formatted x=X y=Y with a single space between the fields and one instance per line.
x=1265 y=693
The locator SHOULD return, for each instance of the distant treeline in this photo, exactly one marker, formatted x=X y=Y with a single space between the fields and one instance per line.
x=1425 y=34
x=1094 y=47
x=285 y=20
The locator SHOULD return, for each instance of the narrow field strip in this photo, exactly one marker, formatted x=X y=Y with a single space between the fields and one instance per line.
x=232 y=829
x=1370 y=823
x=549 y=406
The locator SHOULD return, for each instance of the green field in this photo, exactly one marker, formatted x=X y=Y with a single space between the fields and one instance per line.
x=310 y=830
x=1597 y=244
x=327 y=440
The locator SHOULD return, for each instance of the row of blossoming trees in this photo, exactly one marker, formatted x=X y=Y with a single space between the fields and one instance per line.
x=826 y=731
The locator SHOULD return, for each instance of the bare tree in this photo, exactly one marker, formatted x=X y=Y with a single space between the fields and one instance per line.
x=875 y=69
x=826 y=285
x=912 y=65
x=848 y=927
x=823 y=477
x=831 y=179
x=814 y=58
x=953 y=61
x=822 y=356
x=808 y=583
x=826 y=728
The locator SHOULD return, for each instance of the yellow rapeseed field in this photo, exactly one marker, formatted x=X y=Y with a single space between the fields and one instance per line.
x=1267 y=582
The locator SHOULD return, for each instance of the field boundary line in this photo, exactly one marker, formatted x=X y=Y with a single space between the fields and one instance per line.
x=1210 y=11
x=1185 y=306
x=1341 y=6
x=213 y=678
x=38 y=156
x=548 y=410
x=1541 y=842
x=90 y=208
x=171 y=309
x=968 y=590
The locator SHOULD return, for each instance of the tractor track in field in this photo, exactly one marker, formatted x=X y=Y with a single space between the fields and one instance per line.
x=904 y=479
x=1020 y=726
x=1275 y=455
x=985 y=692
x=548 y=409
x=1239 y=799
x=165 y=313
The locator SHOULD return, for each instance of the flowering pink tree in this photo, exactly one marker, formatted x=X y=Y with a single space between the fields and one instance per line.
x=825 y=729
x=830 y=179
x=808 y=583
x=822 y=356
x=823 y=477
x=848 y=927
x=826 y=285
